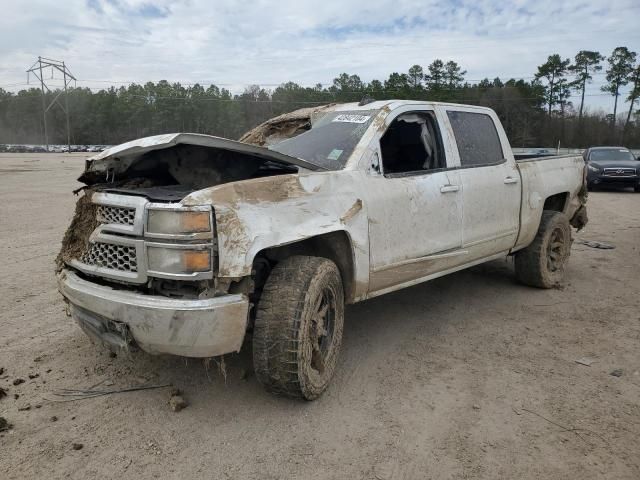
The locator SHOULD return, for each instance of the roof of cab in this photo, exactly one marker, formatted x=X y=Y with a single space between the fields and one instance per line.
x=393 y=104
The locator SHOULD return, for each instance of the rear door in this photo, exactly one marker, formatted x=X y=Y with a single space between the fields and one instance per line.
x=490 y=182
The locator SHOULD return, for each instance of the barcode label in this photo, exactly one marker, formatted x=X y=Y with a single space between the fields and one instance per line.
x=351 y=118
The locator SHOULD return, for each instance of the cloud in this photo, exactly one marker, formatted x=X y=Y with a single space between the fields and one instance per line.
x=95 y=5
x=233 y=44
x=131 y=8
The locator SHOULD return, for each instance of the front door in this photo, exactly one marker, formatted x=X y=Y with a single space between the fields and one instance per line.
x=414 y=203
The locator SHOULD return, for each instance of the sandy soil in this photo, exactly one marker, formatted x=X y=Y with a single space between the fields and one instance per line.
x=468 y=376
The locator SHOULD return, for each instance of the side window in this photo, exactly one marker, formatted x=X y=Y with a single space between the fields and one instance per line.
x=412 y=143
x=477 y=138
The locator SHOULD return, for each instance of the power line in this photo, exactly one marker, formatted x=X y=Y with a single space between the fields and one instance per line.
x=261 y=85
x=325 y=92
x=333 y=100
x=213 y=82
x=265 y=84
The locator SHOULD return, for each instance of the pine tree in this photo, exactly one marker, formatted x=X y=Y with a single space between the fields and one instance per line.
x=620 y=67
x=586 y=63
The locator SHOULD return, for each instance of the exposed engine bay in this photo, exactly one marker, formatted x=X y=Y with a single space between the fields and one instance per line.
x=169 y=174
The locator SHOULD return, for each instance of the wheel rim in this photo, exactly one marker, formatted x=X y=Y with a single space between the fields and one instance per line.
x=322 y=330
x=556 y=250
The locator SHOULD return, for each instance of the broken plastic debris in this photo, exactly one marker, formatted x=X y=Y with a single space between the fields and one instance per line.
x=594 y=244
x=587 y=361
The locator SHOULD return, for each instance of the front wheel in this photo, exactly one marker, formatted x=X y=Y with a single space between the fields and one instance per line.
x=298 y=328
x=637 y=188
x=542 y=263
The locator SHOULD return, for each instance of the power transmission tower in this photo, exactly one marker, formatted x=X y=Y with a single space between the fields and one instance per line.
x=37 y=70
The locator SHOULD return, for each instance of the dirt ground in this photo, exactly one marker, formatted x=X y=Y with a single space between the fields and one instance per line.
x=468 y=376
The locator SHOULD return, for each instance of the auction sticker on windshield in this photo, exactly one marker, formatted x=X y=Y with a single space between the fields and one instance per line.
x=351 y=118
x=334 y=155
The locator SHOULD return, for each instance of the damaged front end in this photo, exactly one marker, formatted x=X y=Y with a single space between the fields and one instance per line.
x=141 y=272
x=137 y=266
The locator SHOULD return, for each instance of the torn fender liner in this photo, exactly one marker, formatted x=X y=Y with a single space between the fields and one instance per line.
x=76 y=238
x=580 y=219
x=284 y=126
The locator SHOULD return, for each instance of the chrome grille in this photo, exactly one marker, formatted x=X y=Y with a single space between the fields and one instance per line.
x=117 y=215
x=619 y=172
x=115 y=257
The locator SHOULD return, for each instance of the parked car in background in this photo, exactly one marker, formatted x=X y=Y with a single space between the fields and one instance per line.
x=613 y=166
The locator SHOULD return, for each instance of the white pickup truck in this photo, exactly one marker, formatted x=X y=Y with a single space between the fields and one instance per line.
x=183 y=243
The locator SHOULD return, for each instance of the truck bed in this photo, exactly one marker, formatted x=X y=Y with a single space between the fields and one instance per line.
x=542 y=178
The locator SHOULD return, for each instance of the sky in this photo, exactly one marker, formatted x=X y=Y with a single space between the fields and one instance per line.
x=234 y=44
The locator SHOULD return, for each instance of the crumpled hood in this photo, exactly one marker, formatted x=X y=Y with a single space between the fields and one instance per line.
x=118 y=159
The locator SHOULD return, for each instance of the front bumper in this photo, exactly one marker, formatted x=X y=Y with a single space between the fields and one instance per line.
x=189 y=328
x=595 y=178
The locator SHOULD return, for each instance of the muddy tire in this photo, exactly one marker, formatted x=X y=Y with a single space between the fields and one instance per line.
x=542 y=263
x=298 y=328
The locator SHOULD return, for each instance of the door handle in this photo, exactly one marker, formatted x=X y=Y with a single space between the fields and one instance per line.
x=449 y=188
x=509 y=180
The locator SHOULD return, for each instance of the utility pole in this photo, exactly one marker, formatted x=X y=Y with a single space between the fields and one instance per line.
x=37 y=70
x=44 y=109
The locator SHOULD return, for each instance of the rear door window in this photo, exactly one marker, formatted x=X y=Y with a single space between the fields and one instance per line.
x=477 y=139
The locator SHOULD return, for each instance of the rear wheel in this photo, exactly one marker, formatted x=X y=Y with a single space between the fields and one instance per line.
x=298 y=328
x=542 y=263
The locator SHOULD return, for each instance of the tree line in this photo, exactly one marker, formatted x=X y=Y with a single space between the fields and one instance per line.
x=535 y=111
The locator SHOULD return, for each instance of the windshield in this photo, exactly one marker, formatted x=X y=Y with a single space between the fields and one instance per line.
x=331 y=140
x=611 y=154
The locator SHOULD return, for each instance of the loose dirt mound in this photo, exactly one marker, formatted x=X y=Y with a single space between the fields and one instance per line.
x=284 y=126
x=76 y=238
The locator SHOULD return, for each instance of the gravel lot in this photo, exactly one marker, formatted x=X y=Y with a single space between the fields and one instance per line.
x=468 y=376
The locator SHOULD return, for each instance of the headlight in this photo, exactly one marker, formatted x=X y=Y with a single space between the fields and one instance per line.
x=592 y=168
x=192 y=221
x=178 y=261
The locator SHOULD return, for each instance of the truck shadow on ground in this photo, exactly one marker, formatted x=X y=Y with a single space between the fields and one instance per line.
x=419 y=313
